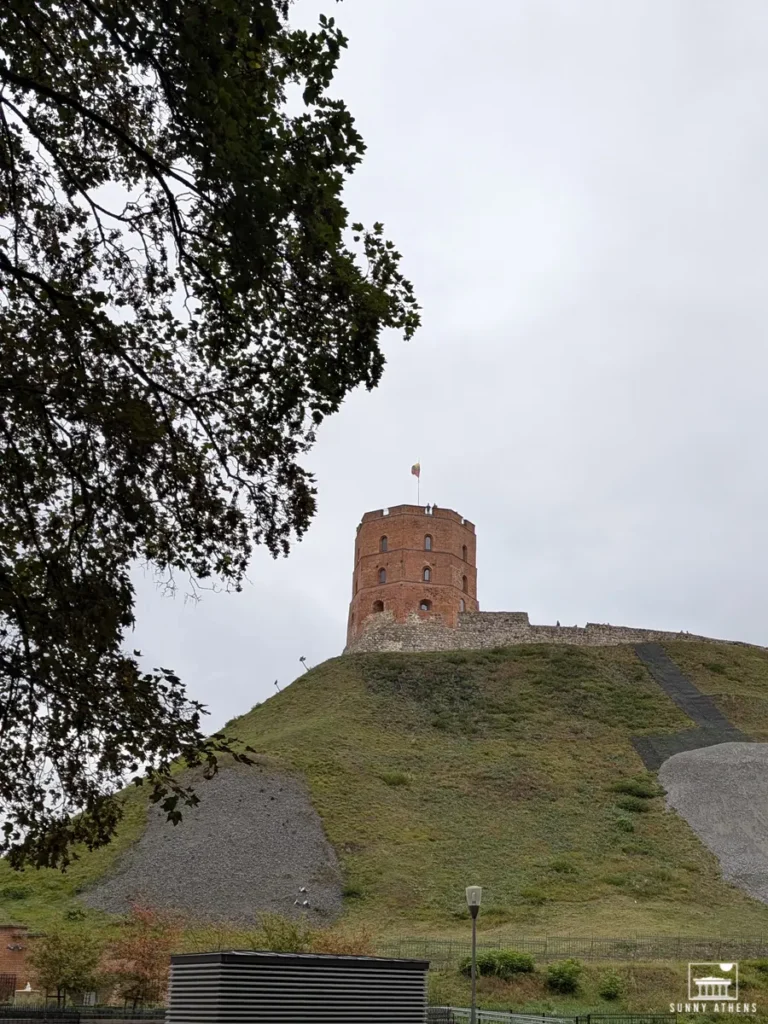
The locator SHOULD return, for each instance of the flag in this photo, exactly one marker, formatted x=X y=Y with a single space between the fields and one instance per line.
x=416 y=470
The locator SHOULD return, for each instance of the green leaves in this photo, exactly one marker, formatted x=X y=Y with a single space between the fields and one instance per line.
x=135 y=427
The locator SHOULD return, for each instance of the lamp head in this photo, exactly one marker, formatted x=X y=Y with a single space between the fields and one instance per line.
x=474 y=895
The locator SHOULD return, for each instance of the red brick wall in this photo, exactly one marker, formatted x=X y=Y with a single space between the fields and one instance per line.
x=405 y=559
x=14 y=961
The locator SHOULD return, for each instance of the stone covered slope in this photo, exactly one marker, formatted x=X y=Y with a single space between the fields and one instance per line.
x=251 y=845
x=722 y=792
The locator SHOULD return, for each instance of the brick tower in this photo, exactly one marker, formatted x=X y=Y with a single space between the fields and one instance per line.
x=413 y=561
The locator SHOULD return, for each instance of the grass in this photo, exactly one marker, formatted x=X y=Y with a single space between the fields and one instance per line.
x=641 y=988
x=509 y=768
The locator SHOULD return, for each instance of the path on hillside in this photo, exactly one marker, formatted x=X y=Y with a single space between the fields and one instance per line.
x=722 y=792
x=712 y=727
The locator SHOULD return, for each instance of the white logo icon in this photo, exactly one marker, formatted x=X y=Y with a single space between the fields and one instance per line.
x=718 y=985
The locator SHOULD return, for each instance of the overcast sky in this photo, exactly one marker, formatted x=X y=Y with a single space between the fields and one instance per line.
x=579 y=190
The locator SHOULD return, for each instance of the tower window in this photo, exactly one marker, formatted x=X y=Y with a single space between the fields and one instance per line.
x=464 y=552
x=378 y=606
x=425 y=606
x=383 y=576
x=383 y=544
x=462 y=605
x=428 y=543
x=427 y=574
x=464 y=584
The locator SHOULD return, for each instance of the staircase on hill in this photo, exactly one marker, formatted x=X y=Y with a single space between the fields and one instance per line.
x=712 y=725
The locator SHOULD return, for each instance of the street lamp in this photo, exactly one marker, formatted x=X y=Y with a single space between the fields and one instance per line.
x=474 y=895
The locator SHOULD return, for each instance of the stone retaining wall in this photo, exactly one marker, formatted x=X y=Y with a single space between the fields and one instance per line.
x=497 y=629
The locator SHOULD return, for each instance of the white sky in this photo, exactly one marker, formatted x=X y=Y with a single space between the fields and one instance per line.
x=580 y=194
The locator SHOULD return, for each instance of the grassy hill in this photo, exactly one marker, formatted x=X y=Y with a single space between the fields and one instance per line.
x=509 y=768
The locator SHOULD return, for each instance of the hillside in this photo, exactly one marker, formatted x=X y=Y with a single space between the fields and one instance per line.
x=501 y=768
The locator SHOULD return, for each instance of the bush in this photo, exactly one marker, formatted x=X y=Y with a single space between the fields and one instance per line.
x=533 y=895
x=610 y=987
x=352 y=892
x=634 y=804
x=281 y=935
x=395 y=778
x=509 y=962
x=498 y=963
x=344 y=942
x=563 y=866
x=624 y=824
x=15 y=891
x=645 y=789
x=564 y=976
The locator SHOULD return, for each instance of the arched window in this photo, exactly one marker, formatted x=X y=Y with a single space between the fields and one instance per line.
x=378 y=606
x=426 y=574
x=462 y=605
x=383 y=544
x=464 y=552
x=425 y=606
x=464 y=584
x=428 y=543
x=383 y=576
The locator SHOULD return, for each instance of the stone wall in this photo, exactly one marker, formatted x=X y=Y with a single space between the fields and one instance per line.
x=476 y=630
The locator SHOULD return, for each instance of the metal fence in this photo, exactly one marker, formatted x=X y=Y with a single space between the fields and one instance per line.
x=461 y=1015
x=75 y=1014
x=446 y=952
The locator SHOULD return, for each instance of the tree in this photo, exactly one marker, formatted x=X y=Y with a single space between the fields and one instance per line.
x=67 y=961
x=182 y=303
x=140 y=957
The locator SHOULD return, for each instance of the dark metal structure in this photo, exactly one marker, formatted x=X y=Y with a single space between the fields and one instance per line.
x=247 y=987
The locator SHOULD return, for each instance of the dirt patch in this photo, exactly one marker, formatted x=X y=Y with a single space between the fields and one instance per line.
x=250 y=845
x=722 y=792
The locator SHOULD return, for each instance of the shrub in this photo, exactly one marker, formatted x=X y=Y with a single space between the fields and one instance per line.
x=563 y=866
x=509 y=962
x=645 y=789
x=357 y=942
x=564 y=976
x=715 y=666
x=624 y=824
x=486 y=963
x=759 y=965
x=395 y=778
x=536 y=897
x=281 y=935
x=15 y=891
x=352 y=892
x=610 y=987
x=634 y=804
x=498 y=963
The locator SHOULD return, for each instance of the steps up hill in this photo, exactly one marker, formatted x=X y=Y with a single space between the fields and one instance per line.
x=517 y=768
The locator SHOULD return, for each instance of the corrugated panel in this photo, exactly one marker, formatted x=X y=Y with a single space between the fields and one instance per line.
x=252 y=988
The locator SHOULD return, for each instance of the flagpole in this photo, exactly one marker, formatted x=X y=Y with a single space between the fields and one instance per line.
x=418 y=484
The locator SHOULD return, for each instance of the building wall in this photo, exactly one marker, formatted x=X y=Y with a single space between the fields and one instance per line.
x=451 y=561
x=14 y=951
x=496 y=629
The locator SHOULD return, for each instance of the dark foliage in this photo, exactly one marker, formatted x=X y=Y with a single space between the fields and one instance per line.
x=181 y=305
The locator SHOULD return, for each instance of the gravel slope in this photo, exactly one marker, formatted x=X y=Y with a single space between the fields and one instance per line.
x=722 y=792
x=250 y=844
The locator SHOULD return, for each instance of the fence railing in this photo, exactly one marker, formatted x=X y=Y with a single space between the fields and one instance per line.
x=461 y=1015
x=75 y=1014
x=444 y=952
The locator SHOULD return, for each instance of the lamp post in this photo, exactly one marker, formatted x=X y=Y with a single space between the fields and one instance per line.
x=474 y=894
